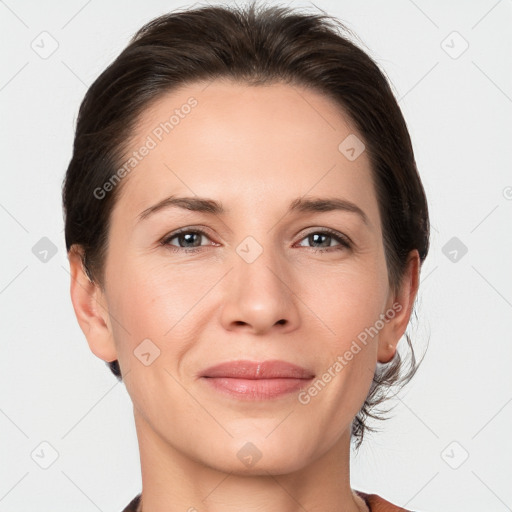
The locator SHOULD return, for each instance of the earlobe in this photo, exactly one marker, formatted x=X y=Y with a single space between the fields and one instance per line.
x=90 y=309
x=387 y=352
x=400 y=310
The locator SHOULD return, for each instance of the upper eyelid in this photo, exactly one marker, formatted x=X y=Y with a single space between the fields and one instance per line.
x=325 y=230
x=189 y=229
x=202 y=231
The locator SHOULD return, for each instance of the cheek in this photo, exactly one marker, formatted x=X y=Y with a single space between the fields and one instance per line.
x=349 y=307
x=156 y=302
x=346 y=300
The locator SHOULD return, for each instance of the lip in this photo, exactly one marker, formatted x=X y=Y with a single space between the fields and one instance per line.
x=256 y=380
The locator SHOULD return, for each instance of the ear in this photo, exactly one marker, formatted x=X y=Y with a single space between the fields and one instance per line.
x=90 y=309
x=399 y=309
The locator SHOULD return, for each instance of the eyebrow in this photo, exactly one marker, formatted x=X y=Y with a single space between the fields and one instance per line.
x=301 y=205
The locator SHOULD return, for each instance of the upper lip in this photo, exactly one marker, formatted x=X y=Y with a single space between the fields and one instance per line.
x=270 y=369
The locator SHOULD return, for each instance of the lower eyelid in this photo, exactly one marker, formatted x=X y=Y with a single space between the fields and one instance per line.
x=342 y=241
x=167 y=240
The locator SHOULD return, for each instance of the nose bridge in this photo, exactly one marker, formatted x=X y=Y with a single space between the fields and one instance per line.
x=257 y=294
x=259 y=265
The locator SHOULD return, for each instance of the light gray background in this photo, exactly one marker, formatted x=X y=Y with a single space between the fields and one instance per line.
x=459 y=111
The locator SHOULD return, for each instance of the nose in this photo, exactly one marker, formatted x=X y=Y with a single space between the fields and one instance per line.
x=259 y=297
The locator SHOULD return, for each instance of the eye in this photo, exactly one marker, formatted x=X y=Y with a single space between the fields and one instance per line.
x=322 y=241
x=191 y=240
x=188 y=240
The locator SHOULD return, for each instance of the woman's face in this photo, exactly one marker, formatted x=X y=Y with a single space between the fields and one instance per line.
x=258 y=273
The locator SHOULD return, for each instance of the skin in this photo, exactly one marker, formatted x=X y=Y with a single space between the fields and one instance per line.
x=254 y=149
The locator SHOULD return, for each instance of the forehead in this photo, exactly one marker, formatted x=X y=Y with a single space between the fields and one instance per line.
x=252 y=144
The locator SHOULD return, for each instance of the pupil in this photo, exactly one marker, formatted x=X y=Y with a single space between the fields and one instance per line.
x=188 y=237
x=316 y=239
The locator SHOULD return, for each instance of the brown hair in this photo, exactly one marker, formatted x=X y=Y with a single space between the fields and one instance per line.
x=252 y=45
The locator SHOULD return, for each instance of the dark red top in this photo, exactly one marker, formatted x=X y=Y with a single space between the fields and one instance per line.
x=373 y=502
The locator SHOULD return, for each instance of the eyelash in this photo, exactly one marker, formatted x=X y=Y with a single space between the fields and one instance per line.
x=343 y=241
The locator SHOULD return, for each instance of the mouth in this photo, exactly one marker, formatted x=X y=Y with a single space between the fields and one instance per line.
x=256 y=380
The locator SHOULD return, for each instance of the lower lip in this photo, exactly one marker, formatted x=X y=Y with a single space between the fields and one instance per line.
x=256 y=389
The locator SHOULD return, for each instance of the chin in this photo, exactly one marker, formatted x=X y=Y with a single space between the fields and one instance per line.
x=259 y=456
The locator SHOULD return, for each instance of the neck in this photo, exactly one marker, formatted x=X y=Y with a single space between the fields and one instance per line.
x=175 y=482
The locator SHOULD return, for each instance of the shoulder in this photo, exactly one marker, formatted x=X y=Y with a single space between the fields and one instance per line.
x=374 y=502
x=377 y=504
x=133 y=505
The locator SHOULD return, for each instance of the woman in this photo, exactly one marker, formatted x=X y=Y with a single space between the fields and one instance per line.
x=245 y=228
